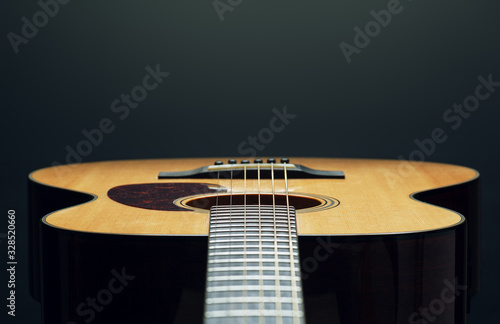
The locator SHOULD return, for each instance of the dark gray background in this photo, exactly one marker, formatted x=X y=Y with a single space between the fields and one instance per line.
x=225 y=78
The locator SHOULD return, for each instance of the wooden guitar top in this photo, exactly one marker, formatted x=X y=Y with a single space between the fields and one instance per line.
x=374 y=198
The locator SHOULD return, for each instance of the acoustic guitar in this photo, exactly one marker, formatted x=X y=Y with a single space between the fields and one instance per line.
x=288 y=241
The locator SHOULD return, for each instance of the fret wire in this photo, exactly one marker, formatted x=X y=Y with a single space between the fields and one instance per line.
x=250 y=287
x=225 y=216
x=252 y=208
x=239 y=262
x=253 y=217
x=253 y=312
x=281 y=248
x=241 y=231
x=252 y=252
x=219 y=246
x=225 y=220
x=251 y=232
x=267 y=218
x=241 y=228
x=217 y=240
x=253 y=225
x=253 y=213
x=229 y=234
x=242 y=277
x=265 y=263
x=253 y=249
x=223 y=207
x=294 y=253
x=217 y=269
x=236 y=238
x=282 y=214
x=222 y=300
x=223 y=269
x=267 y=251
x=266 y=214
x=255 y=209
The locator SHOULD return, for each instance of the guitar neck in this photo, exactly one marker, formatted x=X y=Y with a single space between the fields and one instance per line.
x=253 y=273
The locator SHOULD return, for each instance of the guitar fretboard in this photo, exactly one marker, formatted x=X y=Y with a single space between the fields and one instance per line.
x=253 y=273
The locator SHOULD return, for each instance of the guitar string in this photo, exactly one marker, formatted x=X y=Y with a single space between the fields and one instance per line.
x=261 y=273
x=217 y=203
x=230 y=216
x=296 y=320
x=277 y=289
x=217 y=189
x=216 y=222
x=245 y=292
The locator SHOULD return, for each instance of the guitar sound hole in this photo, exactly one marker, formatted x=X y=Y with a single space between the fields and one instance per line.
x=299 y=202
x=201 y=196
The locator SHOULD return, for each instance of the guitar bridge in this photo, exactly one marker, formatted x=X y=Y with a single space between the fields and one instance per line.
x=237 y=171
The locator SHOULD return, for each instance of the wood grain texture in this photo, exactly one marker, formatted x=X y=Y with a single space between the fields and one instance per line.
x=374 y=197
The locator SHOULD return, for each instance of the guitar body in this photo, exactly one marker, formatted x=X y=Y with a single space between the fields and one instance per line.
x=391 y=242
